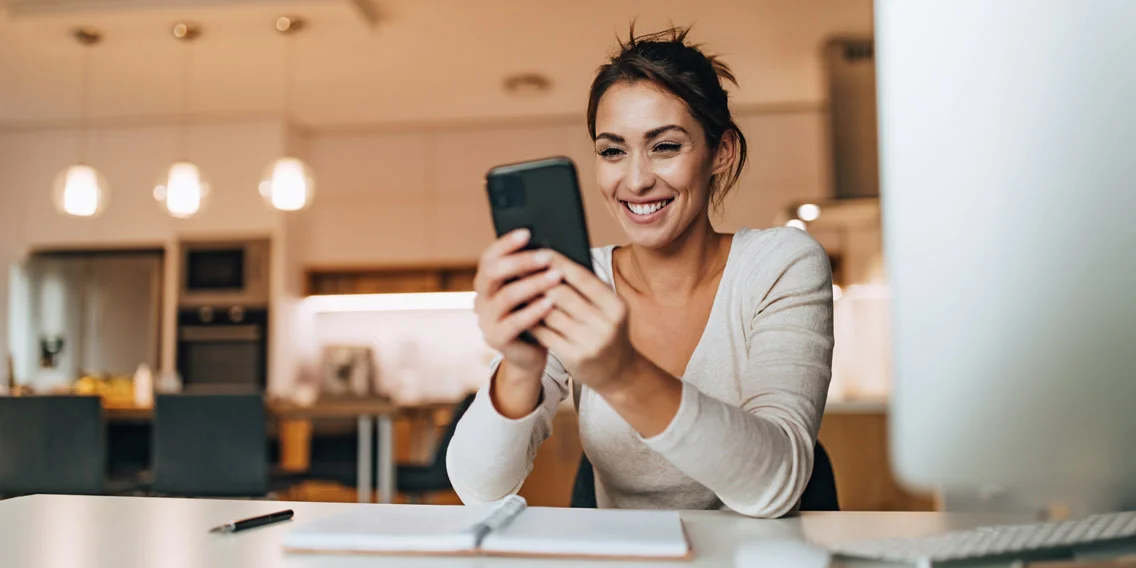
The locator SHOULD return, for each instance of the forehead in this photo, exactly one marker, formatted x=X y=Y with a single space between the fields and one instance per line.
x=628 y=108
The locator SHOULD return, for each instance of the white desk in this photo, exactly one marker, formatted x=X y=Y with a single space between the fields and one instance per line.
x=45 y=531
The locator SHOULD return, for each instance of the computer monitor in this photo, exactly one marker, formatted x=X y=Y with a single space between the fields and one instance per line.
x=1007 y=134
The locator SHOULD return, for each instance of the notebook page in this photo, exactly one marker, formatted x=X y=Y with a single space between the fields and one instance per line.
x=591 y=532
x=392 y=528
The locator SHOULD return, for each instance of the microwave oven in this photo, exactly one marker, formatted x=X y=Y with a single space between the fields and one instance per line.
x=224 y=273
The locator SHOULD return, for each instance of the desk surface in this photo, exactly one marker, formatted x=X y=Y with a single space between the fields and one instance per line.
x=51 y=531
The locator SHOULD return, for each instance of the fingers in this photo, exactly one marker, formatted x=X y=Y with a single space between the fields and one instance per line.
x=512 y=241
x=574 y=305
x=549 y=338
x=522 y=291
x=511 y=326
x=493 y=273
x=564 y=324
x=590 y=286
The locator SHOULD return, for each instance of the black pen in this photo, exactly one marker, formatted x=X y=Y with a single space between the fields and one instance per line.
x=253 y=522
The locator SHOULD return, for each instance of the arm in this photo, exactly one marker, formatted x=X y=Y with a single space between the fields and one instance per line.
x=490 y=454
x=758 y=457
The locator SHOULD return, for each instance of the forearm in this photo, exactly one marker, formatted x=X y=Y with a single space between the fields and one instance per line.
x=645 y=396
x=491 y=454
x=757 y=464
x=515 y=392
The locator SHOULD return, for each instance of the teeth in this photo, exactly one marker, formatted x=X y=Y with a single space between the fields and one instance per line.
x=646 y=208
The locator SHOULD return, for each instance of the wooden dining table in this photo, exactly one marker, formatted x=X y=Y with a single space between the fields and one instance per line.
x=367 y=412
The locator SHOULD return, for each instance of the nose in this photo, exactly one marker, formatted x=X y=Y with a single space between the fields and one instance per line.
x=639 y=176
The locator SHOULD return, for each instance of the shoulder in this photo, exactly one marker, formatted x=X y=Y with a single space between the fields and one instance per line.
x=777 y=245
x=601 y=262
x=769 y=256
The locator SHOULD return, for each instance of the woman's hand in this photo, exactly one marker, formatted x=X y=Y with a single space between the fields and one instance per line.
x=507 y=279
x=587 y=328
x=511 y=286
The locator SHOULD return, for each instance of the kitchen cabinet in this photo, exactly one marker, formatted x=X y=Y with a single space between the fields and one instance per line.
x=391 y=280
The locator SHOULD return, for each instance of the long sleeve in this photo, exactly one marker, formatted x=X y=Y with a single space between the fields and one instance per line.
x=490 y=455
x=757 y=458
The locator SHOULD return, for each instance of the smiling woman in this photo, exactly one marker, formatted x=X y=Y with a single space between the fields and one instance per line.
x=699 y=361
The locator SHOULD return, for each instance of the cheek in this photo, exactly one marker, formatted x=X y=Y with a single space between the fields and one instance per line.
x=607 y=177
x=685 y=174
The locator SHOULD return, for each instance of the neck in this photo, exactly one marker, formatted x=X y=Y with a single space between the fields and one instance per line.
x=682 y=266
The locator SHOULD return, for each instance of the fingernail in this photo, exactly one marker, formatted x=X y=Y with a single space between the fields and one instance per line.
x=521 y=235
x=553 y=275
x=543 y=257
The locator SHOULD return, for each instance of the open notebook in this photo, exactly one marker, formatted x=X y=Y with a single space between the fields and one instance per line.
x=503 y=528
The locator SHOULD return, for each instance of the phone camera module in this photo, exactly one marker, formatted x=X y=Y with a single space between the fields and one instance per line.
x=507 y=192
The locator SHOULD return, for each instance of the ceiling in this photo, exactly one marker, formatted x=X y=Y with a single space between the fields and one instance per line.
x=424 y=60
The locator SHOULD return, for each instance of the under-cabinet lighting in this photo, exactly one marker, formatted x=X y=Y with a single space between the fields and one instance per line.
x=390 y=302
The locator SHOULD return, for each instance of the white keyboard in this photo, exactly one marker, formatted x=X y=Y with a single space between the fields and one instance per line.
x=1002 y=542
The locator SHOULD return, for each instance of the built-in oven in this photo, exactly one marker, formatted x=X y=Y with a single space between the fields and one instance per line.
x=224 y=273
x=223 y=346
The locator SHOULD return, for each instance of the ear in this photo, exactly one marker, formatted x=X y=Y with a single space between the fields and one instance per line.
x=725 y=153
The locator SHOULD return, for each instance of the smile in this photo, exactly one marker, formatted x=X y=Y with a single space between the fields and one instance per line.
x=645 y=209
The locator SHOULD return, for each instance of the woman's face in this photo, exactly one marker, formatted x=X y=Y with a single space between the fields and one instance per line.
x=653 y=164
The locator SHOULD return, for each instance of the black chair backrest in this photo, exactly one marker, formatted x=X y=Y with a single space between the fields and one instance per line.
x=210 y=445
x=819 y=494
x=52 y=444
x=820 y=491
x=448 y=434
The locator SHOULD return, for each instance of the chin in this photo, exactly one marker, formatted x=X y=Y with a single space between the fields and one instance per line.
x=650 y=237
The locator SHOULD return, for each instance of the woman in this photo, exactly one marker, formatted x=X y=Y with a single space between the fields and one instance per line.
x=703 y=358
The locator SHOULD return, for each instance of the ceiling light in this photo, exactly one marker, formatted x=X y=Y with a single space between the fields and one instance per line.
x=287 y=183
x=80 y=190
x=183 y=191
x=808 y=212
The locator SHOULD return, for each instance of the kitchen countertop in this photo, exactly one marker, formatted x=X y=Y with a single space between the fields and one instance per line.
x=856 y=406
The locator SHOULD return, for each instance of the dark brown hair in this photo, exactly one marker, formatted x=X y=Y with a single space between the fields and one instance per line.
x=665 y=59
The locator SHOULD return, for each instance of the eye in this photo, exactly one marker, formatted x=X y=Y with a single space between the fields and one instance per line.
x=668 y=147
x=610 y=152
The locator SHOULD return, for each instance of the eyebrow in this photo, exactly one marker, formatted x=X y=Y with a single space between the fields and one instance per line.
x=654 y=132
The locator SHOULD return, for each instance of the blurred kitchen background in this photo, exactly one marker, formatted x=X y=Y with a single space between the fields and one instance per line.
x=285 y=198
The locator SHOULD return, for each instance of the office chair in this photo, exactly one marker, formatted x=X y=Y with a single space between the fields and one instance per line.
x=819 y=494
x=52 y=444
x=416 y=480
x=210 y=445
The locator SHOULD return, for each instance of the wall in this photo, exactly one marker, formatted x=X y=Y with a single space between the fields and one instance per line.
x=395 y=196
x=419 y=355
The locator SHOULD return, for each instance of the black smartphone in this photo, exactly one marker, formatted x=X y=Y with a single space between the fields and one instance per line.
x=542 y=196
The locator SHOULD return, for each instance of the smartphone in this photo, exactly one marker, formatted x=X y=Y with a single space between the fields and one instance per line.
x=542 y=196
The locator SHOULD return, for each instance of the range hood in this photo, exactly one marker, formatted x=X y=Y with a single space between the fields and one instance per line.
x=850 y=74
